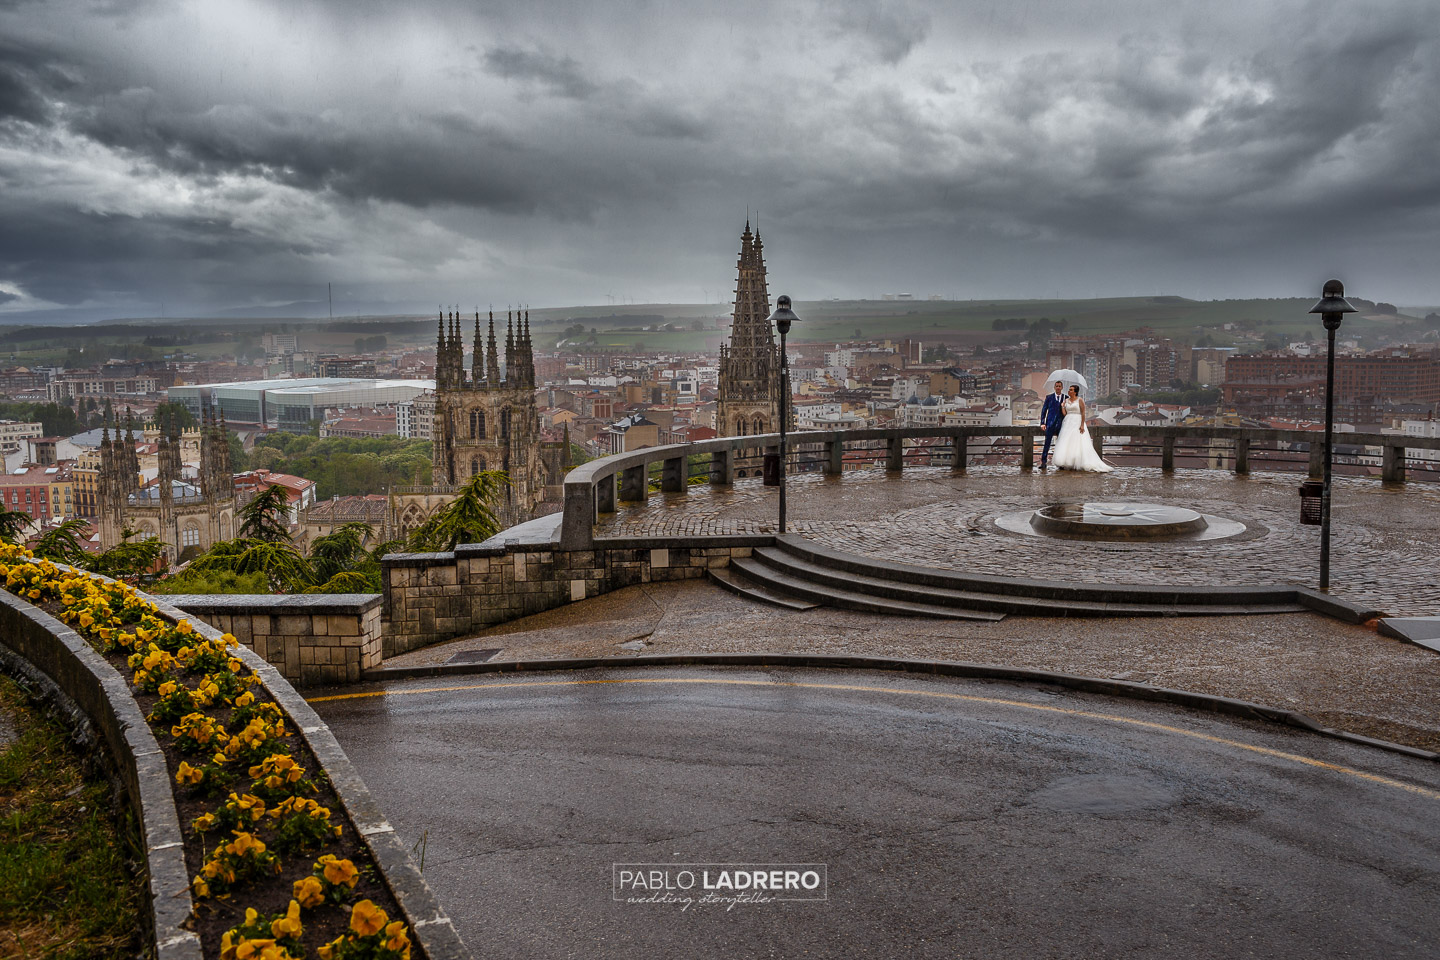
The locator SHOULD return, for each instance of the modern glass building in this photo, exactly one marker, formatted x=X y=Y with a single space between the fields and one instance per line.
x=291 y=404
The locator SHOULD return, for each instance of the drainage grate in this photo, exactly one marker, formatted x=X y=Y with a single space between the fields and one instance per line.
x=472 y=656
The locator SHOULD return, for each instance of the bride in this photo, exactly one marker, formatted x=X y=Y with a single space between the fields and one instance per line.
x=1074 y=449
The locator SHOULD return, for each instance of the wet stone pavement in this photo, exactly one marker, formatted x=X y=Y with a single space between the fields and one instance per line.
x=1382 y=548
x=950 y=819
x=1345 y=676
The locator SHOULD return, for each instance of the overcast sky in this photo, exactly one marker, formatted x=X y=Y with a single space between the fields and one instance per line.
x=238 y=154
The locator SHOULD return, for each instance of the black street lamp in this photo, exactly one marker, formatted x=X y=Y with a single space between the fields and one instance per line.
x=783 y=317
x=1332 y=308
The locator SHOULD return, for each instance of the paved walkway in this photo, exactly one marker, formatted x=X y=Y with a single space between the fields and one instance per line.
x=953 y=818
x=1384 y=543
x=1345 y=676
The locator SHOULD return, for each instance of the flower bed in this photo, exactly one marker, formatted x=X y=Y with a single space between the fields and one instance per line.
x=273 y=877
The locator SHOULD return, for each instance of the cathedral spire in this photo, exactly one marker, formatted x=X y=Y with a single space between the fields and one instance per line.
x=440 y=352
x=492 y=355
x=477 y=364
x=457 y=352
x=511 y=377
x=529 y=353
x=749 y=387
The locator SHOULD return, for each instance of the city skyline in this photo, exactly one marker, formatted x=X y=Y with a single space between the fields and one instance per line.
x=167 y=159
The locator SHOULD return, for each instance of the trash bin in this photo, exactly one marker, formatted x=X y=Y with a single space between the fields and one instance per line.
x=772 y=470
x=1312 y=502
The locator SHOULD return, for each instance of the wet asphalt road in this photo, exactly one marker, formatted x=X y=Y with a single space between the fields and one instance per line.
x=957 y=818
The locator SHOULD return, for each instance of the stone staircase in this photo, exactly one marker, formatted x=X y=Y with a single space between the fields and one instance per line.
x=799 y=574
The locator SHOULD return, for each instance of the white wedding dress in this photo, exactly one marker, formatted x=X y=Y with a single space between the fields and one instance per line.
x=1075 y=450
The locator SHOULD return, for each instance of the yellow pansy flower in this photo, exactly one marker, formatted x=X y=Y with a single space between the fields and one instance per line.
x=188 y=774
x=339 y=872
x=289 y=925
x=366 y=918
x=259 y=950
x=310 y=892
x=245 y=844
x=396 y=939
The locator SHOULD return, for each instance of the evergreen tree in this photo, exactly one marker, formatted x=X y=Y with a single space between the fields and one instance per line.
x=13 y=524
x=469 y=518
x=264 y=517
x=63 y=543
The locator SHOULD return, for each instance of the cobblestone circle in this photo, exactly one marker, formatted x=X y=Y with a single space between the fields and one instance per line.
x=1383 y=543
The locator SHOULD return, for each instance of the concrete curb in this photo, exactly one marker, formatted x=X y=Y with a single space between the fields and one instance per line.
x=945 y=668
x=430 y=925
x=89 y=688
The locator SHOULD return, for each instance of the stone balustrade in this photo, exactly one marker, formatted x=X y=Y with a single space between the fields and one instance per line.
x=591 y=489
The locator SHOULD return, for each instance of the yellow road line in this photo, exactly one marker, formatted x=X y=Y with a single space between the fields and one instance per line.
x=936 y=694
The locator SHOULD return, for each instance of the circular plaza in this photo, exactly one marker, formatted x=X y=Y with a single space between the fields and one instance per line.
x=1382 y=540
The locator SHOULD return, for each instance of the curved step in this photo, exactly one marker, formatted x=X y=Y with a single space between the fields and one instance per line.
x=873 y=583
x=837 y=596
x=1235 y=594
x=754 y=590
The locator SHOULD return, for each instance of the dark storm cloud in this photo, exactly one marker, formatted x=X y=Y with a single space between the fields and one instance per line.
x=73 y=255
x=417 y=161
x=890 y=30
x=260 y=145
x=560 y=75
x=18 y=97
x=30 y=76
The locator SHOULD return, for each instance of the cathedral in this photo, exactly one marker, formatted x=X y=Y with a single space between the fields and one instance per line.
x=485 y=419
x=748 y=402
x=188 y=514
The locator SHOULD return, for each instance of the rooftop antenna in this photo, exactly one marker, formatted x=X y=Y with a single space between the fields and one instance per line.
x=330 y=295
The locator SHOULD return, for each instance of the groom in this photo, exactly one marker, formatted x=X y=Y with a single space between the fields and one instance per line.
x=1052 y=414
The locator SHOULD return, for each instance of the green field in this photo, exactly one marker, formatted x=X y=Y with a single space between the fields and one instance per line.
x=621 y=327
x=830 y=321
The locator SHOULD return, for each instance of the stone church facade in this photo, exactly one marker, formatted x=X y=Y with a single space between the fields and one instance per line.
x=188 y=511
x=485 y=419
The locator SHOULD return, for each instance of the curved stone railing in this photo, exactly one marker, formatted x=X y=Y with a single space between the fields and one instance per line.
x=95 y=694
x=98 y=700
x=590 y=489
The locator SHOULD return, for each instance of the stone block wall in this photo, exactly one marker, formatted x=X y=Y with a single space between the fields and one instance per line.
x=436 y=596
x=312 y=639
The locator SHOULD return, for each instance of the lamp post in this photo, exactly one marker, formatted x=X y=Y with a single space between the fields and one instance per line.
x=783 y=317
x=1332 y=308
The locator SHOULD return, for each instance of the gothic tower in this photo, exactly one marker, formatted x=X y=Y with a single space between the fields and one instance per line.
x=749 y=397
x=486 y=420
x=184 y=512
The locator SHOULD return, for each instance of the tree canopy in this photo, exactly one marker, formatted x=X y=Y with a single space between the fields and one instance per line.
x=469 y=518
x=344 y=466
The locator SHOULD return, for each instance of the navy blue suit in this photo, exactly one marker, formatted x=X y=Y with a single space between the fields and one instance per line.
x=1052 y=414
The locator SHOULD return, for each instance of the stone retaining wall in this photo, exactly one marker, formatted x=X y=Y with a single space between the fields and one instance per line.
x=70 y=671
x=47 y=652
x=430 y=927
x=312 y=639
x=435 y=596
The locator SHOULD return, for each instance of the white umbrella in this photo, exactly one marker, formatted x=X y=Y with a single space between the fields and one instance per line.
x=1068 y=376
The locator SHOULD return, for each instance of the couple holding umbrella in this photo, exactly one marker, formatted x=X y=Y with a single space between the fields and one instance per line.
x=1063 y=416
